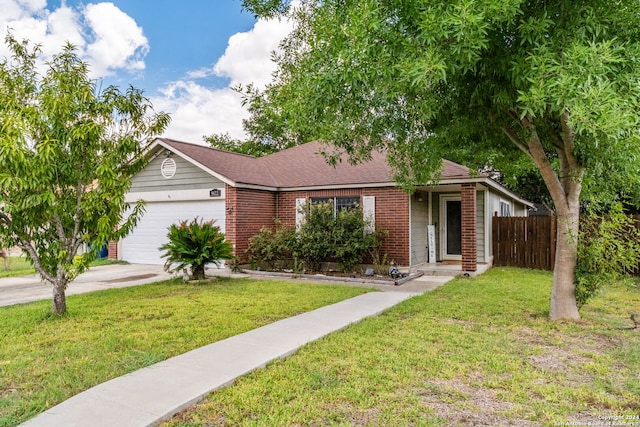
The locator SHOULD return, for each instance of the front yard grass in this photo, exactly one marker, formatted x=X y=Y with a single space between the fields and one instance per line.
x=19 y=266
x=15 y=266
x=46 y=359
x=473 y=352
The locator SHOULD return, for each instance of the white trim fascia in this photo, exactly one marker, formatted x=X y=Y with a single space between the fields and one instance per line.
x=254 y=187
x=213 y=173
x=488 y=181
x=173 y=196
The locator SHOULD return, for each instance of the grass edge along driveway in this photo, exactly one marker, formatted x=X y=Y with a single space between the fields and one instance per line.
x=46 y=359
x=473 y=352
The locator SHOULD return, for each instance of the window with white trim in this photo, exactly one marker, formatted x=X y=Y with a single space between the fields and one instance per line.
x=339 y=203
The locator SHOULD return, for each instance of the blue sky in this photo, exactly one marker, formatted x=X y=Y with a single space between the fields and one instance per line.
x=186 y=55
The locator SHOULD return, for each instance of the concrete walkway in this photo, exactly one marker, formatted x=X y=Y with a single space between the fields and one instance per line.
x=154 y=394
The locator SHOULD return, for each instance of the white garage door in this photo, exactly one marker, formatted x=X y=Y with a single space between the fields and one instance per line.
x=141 y=246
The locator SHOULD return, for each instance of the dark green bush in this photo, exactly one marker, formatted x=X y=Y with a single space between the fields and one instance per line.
x=272 y=249
x=328 y=237
x=315 y=241
x=323 y=237
x=194 y=244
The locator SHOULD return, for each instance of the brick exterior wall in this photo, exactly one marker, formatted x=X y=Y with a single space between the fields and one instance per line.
x=247 y=211
x=469 y=229
x=391 y=213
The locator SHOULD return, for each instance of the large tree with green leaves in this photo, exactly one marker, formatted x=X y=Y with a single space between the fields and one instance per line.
x=67 y=155
x=555 y=81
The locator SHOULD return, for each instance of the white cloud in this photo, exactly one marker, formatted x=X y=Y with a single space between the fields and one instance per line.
x=197 y=111
x=248 y=56
x=110 y=41
x=105 y=37
x=119 y=41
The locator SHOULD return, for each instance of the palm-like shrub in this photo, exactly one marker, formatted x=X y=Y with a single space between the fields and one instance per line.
x=194 y=244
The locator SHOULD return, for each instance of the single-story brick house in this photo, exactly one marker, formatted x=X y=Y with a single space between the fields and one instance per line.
x=450 y=221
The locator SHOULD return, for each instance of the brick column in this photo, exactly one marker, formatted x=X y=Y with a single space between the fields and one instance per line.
x=231 y=205
x=112 y=249
x=469 y=229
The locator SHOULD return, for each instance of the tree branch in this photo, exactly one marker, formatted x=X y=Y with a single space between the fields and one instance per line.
x=569 y=139
x=539 y=156
x=27 y=246
x=4 y=218
x=60 y=229
x=516 y=140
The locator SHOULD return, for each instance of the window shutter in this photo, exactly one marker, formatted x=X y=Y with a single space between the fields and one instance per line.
x=300 y=212
x=369 y=213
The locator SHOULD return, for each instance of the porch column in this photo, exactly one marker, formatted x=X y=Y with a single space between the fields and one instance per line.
x=469 y=233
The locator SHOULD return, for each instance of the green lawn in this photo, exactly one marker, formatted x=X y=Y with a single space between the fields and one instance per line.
x=46 y=359
x=15 y=266
x=19 y=266
x=474 y=352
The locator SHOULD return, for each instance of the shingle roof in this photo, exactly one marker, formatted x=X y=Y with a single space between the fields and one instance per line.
x=300 y=166
x=306 y=166
x=238 y=168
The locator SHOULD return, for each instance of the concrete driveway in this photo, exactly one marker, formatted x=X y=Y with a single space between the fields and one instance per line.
x=18 y=290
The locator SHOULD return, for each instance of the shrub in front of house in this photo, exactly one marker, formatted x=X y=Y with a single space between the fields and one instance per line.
x=272 y=249
x=315 y=243
x=194 y=244
x=325 y=236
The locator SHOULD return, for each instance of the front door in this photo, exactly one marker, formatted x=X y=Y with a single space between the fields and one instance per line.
x=451 y=211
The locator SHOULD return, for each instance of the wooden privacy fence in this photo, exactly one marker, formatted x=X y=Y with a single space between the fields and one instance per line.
x=528 y=242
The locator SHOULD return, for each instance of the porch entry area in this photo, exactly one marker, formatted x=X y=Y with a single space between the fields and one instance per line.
x=447 y=224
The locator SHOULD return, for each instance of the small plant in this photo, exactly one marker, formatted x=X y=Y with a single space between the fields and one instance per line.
x=379 y=259
x=194 y=244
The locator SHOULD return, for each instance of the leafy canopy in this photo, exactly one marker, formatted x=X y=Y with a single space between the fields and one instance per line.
x=67 y=155
x=465 y=80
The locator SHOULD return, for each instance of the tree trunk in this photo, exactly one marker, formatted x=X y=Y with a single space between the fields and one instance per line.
x=59 y=303
x=563 y=297
x=198 y=272
x=564 y=187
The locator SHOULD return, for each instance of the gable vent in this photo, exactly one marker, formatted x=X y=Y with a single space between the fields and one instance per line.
x=168 y=168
